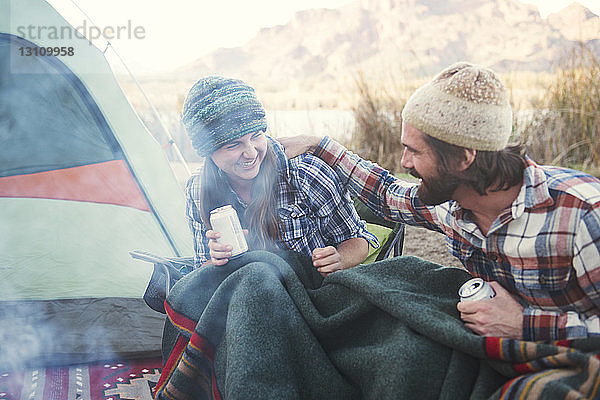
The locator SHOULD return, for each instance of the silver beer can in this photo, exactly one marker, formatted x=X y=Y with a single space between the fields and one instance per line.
x=475 y=289
x=225 y=221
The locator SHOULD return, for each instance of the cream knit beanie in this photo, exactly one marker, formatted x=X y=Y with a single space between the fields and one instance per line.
x=465 y=105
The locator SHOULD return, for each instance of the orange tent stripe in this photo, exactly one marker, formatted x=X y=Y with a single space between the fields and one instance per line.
x=109 y=182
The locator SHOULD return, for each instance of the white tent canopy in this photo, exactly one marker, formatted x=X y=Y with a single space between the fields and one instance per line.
x=82 y=182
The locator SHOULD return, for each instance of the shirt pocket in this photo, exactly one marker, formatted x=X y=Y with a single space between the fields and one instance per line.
x=295 y=223
x=541 y=278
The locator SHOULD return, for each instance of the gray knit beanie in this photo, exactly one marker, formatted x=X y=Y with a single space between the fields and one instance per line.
x=465 y=105
x=218 y=110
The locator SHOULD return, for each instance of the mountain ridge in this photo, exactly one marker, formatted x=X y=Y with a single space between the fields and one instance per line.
x=416 y=36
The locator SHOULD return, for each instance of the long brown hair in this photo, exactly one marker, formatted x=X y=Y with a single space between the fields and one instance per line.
x=491 y=170
x=261 y=213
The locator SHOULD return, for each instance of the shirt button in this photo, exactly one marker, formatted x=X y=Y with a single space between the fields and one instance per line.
x=493 y=257
x=542 y=279
x=294 y=215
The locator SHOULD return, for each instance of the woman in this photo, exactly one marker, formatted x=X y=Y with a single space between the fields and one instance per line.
x=294 y=204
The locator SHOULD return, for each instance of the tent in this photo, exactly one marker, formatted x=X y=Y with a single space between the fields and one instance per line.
x=82 y=182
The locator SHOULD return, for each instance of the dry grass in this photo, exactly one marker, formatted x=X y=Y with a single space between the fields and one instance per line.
x=565 y=129
x=379 y=122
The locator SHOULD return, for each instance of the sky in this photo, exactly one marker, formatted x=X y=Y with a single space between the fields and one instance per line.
x=158 y=36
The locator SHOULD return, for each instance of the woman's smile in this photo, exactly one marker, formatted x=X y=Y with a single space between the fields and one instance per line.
x=248 y=164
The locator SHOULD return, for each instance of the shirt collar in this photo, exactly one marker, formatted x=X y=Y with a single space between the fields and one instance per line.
x=283 y=163
x=534 y=193
x=234 y=196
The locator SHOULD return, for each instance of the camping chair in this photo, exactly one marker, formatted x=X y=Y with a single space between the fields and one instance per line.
x=389 y=233
x=168 y=270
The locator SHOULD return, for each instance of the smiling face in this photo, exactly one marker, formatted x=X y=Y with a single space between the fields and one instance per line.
x=241 y=158
x=421 y=162
x=418 y=157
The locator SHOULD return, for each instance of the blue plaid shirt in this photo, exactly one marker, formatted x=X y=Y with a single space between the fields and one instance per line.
x=314 y=208
x=544 y=248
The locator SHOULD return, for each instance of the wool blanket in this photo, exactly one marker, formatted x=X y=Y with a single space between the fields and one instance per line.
x=267 y=325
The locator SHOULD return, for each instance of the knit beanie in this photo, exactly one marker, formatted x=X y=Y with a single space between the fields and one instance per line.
x=465 y=105
x=218 y=110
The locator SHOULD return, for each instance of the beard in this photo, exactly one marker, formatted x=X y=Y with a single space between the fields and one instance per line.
x=437 y=189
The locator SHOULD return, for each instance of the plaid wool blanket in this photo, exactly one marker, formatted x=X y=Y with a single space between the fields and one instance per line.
x=267 y=325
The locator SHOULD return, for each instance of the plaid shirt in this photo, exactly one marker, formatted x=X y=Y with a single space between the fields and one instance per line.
x=544 y=249
x=314 y=209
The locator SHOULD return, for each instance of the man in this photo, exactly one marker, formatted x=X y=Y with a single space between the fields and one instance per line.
x=532 y=231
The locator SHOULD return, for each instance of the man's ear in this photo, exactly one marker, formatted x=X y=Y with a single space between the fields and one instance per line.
x=469 y=157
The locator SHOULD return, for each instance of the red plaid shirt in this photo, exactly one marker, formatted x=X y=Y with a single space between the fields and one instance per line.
x=544 y=249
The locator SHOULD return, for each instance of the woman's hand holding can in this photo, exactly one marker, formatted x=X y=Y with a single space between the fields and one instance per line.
x=219 y=252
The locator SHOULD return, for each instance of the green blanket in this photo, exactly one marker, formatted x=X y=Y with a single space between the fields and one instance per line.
x=268 y=326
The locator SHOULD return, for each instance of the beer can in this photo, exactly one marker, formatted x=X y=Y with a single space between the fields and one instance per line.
x=225 y=221
x=475 y=289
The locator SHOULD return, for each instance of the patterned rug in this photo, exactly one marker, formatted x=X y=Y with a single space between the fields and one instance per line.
x=112 y=380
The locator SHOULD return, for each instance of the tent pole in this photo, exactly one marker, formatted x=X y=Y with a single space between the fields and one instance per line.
x=154 y=110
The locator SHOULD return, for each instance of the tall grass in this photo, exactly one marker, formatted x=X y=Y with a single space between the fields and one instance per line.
x=565 y=128
x=377 y=113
